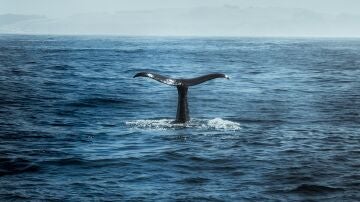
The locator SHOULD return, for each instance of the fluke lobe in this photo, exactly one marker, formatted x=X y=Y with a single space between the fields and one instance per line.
x=182 y=86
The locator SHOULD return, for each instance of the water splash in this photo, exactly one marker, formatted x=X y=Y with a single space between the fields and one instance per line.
x=168 y=124
x=220 y=124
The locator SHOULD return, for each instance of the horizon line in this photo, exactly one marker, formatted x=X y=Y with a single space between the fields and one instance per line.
x=184 y=36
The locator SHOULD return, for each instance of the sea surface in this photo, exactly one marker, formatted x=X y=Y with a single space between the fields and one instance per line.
x=76 y=126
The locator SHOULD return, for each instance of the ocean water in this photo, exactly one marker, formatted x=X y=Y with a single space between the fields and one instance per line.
x=75 y=125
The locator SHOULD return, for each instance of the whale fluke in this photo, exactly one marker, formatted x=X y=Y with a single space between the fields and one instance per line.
x=182 y=85
x=180 y=82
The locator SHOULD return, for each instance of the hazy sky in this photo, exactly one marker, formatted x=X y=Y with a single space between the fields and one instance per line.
x=60 y=8
x=100 y=16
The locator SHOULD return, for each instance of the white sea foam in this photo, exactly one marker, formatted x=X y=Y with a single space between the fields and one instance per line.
x=205 y=124
x=221 y=124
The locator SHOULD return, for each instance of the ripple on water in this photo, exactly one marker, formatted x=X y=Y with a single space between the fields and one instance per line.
x=11 y=166
x=315 y=189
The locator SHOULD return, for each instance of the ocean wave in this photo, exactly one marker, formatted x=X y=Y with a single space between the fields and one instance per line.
x=314 y=189
x=65 y=50
x=97 y=101
x=78 y=161
x=11 y=166
x=166 y=124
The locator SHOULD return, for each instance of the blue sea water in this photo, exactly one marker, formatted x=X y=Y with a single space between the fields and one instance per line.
x=75 y=125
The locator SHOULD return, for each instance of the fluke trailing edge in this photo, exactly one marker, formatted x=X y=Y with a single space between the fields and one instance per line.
x=182 y=86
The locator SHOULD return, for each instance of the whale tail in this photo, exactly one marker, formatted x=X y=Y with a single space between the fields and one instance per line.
x=181 y=82
x=182 y=85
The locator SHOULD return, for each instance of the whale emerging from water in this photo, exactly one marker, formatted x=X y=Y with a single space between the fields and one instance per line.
x=182 y=86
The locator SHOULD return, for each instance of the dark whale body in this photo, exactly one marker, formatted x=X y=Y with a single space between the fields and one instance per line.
x=182 y=86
